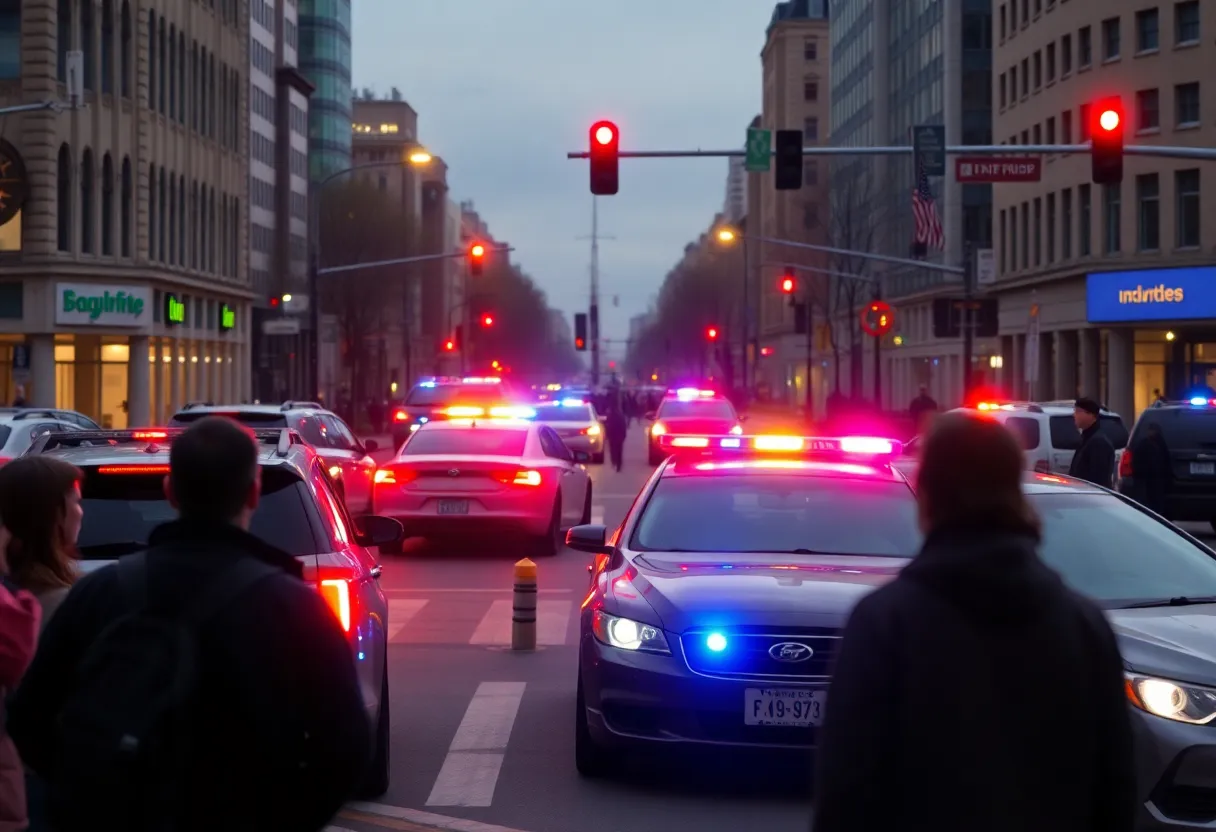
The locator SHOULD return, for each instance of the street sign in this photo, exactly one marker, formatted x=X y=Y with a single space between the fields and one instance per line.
x=985 y=267
x=281 y=326
x=929 y=148
x=974 y=169
x=759 y=150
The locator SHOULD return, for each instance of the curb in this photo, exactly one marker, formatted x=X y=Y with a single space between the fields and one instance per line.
x=413 y=820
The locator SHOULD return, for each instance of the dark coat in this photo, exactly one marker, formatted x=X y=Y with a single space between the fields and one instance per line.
x=1094 y=460
x=946 y=710
x=277 y=675
x=1151 y=472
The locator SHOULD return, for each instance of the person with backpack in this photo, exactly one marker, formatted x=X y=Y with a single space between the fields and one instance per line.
x=200 y=684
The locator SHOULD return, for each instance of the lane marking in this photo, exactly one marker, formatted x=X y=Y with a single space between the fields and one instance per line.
x=400 y=611
x=552 y=622
x=597 y=515
x=493 y=590
x=470 y=771
x=413 y=820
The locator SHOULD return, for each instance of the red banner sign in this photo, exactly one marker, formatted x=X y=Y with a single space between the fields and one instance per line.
x=979 y=169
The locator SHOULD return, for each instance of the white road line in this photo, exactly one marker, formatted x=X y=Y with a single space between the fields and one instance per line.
x=552 y=622
x=400 y=611
x=597 y=515
x=470 y=771
x=427 y=818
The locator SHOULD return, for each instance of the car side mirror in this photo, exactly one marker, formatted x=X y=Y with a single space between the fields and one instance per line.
x=373 y=530
x=581 y=456
x=370 y=445
x=650 y=416
x=591 y=539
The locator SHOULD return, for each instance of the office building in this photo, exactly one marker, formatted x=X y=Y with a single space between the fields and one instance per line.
x=124 y=289
x=1122 y=277
x=734 y=206
x=326 y=62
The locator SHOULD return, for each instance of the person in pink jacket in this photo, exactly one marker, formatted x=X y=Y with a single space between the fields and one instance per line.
x=20 y=617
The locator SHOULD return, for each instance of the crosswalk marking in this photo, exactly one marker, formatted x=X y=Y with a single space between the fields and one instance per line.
x=400 y=611
x=470 y=770
x=552 y=623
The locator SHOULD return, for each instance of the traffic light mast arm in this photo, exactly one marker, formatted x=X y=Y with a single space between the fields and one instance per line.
x=864 y=255
x=1159 y=151
x=401 y=261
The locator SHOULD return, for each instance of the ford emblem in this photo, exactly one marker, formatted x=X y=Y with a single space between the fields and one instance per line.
x=454 y=472
x=790 y=652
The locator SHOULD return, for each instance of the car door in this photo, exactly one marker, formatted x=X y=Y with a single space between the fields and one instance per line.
x=357 y=467
x=573 y=487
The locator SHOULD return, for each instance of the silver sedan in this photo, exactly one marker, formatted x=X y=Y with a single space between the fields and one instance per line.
x=577 y=423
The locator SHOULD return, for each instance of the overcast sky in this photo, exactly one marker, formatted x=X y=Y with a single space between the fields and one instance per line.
x=504 y=88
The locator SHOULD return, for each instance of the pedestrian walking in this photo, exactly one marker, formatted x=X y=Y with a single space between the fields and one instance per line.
x=616 y=427
x=200 y=684
x=1094 y=459
x=19 y=397
x=929 y=722
x=923 y=407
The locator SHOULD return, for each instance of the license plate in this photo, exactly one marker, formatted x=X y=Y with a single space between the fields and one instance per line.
x=1204 y=468
x=790 y=708
x=453 y=506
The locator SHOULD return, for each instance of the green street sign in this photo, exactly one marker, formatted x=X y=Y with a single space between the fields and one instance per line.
x=759 y=150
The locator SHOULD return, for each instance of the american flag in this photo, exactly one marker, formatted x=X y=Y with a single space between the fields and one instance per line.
x=924 y=210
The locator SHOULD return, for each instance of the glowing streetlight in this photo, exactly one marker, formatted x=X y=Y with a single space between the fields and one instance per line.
x=727 y=235
x=420 y=157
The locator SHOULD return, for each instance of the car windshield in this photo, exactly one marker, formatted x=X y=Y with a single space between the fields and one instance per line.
x=122 y=509
x=712 y=409
x=473 y=441
x=253 y=418
x=827 y=515
x=446 y=394
x=1116 y=554
x=564 y=413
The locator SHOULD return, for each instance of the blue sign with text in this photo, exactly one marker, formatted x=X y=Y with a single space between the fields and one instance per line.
x=1184 y=294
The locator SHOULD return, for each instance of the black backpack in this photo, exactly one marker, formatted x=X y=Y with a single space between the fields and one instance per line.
x=126 y=734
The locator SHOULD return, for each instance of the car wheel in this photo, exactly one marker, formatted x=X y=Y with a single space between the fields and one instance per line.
x=552 y=542
x=586 y=518
x=590 y=758
x=377 y=781
x=597 y=459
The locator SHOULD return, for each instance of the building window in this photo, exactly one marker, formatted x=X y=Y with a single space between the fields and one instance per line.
x=181 y=222
x=1038 y=232
x=1004 y=21
x=1051 y=62
x=107 y=206
x=1003 y=92
x=1013 y=84
x=64 y=208
x=171 y=60
x=1186 y=23
x=1085 y=206
x=88 y=214
x=810 y=129
x=810 y=49
x=151 y=212
x=1013 y=239
x=1066 y=127
x=810 y=173
x=1025 y=235
x=1025 y=77
x=235 y=254
x=1085 y=47
x=63 y=37
x=810 y=90
x=1038 y=70
x=107 y=46
x=1066 y=223
x=1148 y=110
x=124 y=54
x=1004 y=232
x=1051 y=228
x=10 y=39
x=124 y=214
x=1147 y=35
x=171 y=236
x=162 y=196
x=224 y=243
x=1186 y=186
x=151 y=60
x=1110 y=39
x=1051 y=130
x=194 y=224
x=1148 y=212
x=1066 y=54
x=211 y=240
x=181 y=78
x=87 y=38
x=1112 y=228
x=1083 y=121
x=1186 y=104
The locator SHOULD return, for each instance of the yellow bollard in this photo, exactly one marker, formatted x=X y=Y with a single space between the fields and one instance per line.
x=523 y=613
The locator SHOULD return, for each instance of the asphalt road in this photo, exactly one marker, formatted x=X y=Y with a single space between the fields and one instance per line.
x=481 y=733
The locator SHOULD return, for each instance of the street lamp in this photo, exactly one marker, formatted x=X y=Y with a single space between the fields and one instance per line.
x=727 y=235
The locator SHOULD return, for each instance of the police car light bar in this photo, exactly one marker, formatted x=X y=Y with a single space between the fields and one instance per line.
x=688 y=394
x=481 y=380
x=867 y=446
x=500 y=412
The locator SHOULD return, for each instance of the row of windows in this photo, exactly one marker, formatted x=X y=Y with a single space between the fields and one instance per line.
x=299 y=120
x=79 y=31
x=79 y=191
x=261 y=102
x=261 y=193
x=1046 y=65
x=1148 y=28
x=1028 y=233
x=261 y=148
x=198 y=90
x=1186 y=115
x=299 y=163
x=261 y=240
x=192 y=228
x=261 y=56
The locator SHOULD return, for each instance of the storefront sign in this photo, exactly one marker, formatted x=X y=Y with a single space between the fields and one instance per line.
x=175 y=310
x=227 y=317
x=86 y=304
x=1151 y=295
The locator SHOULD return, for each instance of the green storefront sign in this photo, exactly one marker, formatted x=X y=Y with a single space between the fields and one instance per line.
x=106 y=303
x=175 y=310
x=227 y=317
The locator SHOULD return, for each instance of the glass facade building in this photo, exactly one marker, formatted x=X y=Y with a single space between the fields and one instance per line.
x=325 y=61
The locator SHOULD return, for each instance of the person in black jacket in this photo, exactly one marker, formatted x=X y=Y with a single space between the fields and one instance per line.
x=279 y=731
x=946 y=711
x=1094 y=459
x=1151 y=469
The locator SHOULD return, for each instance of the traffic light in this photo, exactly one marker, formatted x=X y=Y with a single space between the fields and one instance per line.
x=275 y=302
x=477 y=256
x=787 y=167
x=788 y=284
x=487 y=321
x=605 y=158
x=711 y=333
x=580 y=331
x=1106 y=132
x=449 y=345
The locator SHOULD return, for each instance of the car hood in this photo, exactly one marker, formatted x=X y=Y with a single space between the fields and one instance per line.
x=695 y=424
x=1176 y=643
x=780 y=590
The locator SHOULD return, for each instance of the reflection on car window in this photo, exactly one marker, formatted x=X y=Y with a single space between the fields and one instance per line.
x=474 y=442
x=573 y=413
x=712 y=409
x=1113 y=552
x=826 y=515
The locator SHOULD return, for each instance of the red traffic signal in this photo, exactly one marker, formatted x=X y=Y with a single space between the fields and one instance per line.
x=477 y=256
x=274 y=302
x=788 y=284
x=605 y=158
x=487 y=320
x=711 y=333
x=580 y=344
x=1106 y=141
x=449 y=345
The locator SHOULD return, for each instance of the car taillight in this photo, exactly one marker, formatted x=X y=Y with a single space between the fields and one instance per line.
x=336 y=592
x=133 y=469
x=394 y=476
x=5 y=459
x=594 y=430
x=400 y=416
x=1042 y=467
x=528 y=478
x=1125 y=463
x=150 y=434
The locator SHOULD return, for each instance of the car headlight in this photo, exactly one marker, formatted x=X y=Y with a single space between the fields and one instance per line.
x=1172 y=700
x=626 y=634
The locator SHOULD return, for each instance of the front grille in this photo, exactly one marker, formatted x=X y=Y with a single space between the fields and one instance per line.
x=751 y=653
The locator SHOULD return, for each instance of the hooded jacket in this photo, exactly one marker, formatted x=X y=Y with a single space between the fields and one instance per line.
x=975 y=691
